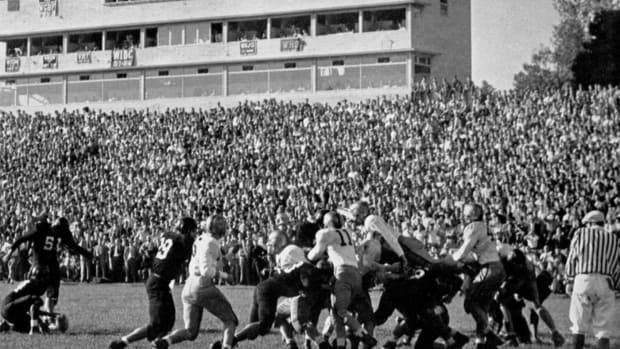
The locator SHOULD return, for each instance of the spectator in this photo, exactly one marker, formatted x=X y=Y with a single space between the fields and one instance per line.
x=414 y=158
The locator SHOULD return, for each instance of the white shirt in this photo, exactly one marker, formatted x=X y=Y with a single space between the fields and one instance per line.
x=290 y=257
x=205 y=257
x=339 y=246
x=477 y=241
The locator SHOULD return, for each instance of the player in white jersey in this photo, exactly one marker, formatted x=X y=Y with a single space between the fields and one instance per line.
x=477 y=241
x=200 y=291
x=347 y=291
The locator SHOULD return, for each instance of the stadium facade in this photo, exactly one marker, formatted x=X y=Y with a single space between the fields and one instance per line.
x=83 y=51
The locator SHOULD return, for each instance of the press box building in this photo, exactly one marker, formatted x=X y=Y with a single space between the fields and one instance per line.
x=54 y=52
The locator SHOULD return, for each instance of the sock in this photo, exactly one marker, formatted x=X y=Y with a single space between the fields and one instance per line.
x=125 y=340
x=341 y=342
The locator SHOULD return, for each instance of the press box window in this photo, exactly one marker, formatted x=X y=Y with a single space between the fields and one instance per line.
x=338 y=62
x=45 y=80
x=383 y=60
x=384 y=20
x=203 y=70
x=290 y=65
x=247 y=67
x=163 y=73
x=84 y=77
x=121 y=75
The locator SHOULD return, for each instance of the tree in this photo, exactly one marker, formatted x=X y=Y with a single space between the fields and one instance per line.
x=599 y=63
x=540 y=73
x=568 y=40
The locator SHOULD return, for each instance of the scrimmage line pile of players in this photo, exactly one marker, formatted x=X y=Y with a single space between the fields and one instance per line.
x=319 y=269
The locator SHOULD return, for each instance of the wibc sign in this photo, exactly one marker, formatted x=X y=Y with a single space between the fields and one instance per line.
x=11 y=65
x=50 y=62
x=294 y=44
x=248 y=47
x=123 y=57
x=84 y=57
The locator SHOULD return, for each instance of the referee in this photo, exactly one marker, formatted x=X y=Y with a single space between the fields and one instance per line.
x=594 y=255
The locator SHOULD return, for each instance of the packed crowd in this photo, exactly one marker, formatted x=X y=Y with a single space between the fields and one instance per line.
x=537 y=161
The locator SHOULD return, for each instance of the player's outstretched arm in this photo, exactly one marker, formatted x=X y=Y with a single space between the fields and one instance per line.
x=68 y=240
x=376 y=223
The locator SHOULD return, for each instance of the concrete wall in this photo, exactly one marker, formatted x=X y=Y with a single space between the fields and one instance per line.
x=229 y=101
x=96 y=14
x=449 y=36
x=218 y=53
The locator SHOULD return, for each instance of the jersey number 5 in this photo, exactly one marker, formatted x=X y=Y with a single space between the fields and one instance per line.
x=164 y=249
x=49 y=243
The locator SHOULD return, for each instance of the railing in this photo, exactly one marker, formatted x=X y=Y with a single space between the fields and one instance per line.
x=179 y=55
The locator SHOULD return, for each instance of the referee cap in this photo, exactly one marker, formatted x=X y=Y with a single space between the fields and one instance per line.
x=593 y=217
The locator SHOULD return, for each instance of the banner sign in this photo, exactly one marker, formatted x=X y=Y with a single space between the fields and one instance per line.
x=50 y=62
x=84 y=57
x=48 y=8
x=12 y=65
x=124 y=57
x=248 y=47
x=294 y=44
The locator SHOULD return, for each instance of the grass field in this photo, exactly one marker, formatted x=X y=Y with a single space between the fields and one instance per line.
x=100 y=313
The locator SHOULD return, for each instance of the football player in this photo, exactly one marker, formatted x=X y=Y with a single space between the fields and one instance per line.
x=21 y=312
x=288 y=283
x=174 y=250
x=490 y=276
x=46 y=242
x=200 y=291
x=299 y=313
x=521 y=280
x=347 y=291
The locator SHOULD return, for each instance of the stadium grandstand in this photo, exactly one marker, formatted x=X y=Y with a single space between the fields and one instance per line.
x=55 y=52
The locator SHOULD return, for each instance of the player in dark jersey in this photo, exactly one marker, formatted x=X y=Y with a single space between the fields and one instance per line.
x=46 y=241
x=420 y=299
x=521 y=280
x=303 y=278
x=21 y=312
x=175 y=249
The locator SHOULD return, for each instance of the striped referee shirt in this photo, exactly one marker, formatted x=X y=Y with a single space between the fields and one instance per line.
x=593 y=251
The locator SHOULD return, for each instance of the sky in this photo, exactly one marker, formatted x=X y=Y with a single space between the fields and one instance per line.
x=505 y=33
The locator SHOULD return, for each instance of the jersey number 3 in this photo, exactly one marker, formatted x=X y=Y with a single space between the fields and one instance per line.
x=164 y=249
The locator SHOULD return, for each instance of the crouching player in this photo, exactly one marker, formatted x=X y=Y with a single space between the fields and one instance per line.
x=289 y=282
x=200 y=292
x=21 y=312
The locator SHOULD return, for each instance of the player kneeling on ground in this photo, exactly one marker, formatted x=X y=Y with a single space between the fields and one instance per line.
x=174 y=249
x=200 y=292
x=21 y=312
